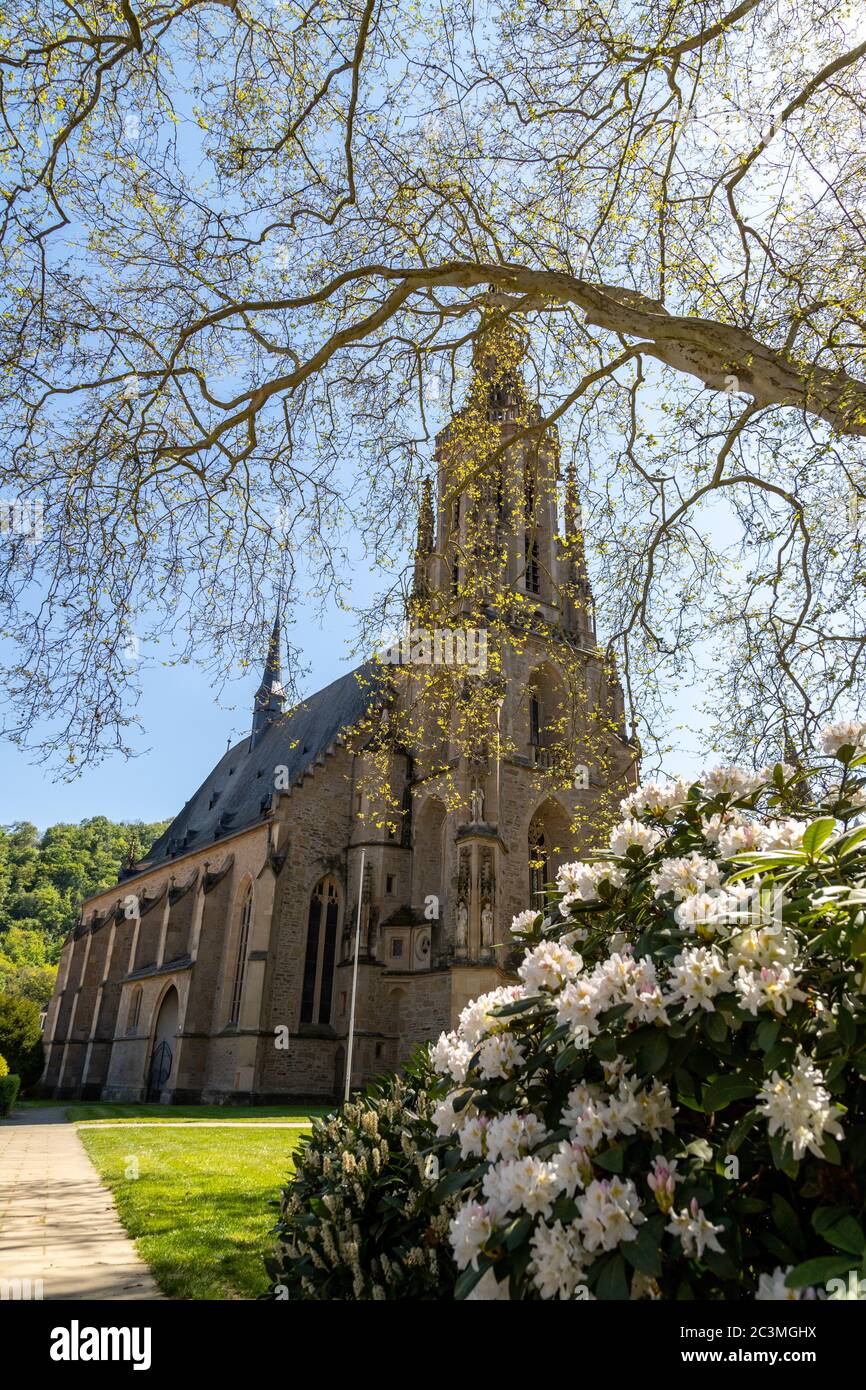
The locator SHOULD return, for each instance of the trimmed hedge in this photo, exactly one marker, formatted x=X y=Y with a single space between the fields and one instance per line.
x=9 y=1087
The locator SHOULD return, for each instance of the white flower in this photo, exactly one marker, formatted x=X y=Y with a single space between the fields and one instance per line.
x=609 y=1214
x=656 y=1111
x=614 y=978
x=702 y=910
x=773 y=987
x=477 y=1019
x=451 y=1056
x=731 y=781
x=847 y=733
x=762 y=946
x=472 y=1137
x=556 y=1266
x=658 y=799
x=521 y=1184
x=579 y=1005
x=623 y=1111
x=696 y=1232
x=586 y=1115
x=784 y=834
x=571 y=1166
x=524 y=922
x=634 y=834
x=692 y=873
x=444 y=1117
x=644 y=993
x=489 y=1289
x=772 y=1288
x=499 y=1056
x=713 y=826
x=469 y=1232
x=511 y=1134
x=800 y=1108
x=739 y=839
x=580 y=881
x=548 y=966
x=697 y=976
x=749 y=903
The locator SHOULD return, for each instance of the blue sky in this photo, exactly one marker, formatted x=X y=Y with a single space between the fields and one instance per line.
x=187 y=725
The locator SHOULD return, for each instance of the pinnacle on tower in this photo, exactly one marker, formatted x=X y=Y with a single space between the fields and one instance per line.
x=574 y=528
x=424 y=544
x=270 y=695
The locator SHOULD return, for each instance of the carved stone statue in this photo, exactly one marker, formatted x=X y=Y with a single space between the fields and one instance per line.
x=462 y=925
x=477 y=800
x=487 y=923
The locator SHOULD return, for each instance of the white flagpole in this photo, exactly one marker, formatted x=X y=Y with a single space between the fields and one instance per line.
x=354 y=982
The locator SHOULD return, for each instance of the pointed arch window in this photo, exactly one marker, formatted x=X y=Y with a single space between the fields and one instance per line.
x=241 y=957
x=533 y=579
x=538 y=864
x=318 y=980
x=534 y=720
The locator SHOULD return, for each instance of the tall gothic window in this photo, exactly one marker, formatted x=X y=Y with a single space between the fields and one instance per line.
x=533 y=580
x=538 y=864
x=241 y=958
x=318 y=980
x=534 y=720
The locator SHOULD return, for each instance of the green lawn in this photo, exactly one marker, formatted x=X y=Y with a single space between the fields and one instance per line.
x=103 y=1110
x=199 y=1209
x=35 y=1104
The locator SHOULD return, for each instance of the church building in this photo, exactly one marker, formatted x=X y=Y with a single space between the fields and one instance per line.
x=220 y=968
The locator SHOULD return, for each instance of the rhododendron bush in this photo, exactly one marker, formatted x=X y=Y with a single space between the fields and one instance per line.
x=669 y=1101
x=670 y=1104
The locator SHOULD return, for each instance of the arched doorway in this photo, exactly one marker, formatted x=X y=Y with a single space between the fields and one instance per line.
x=162 y=1053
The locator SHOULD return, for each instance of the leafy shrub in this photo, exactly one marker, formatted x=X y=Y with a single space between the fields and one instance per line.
x=676 y=1108
x=360 y=1219
x=8 y=1093
x=21 y=1037
x=4 y=1066
x=673 y=1110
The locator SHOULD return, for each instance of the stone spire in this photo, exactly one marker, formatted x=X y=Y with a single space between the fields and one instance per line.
x=269 y=696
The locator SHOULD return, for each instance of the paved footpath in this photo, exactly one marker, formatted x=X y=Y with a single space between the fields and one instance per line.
x=58 y=1223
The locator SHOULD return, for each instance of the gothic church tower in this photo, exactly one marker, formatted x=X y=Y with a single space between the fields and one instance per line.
x=416 y=806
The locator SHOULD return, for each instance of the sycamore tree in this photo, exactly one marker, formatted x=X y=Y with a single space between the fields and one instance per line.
x=247 y=246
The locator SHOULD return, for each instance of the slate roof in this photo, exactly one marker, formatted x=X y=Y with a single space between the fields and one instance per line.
x=231 y=797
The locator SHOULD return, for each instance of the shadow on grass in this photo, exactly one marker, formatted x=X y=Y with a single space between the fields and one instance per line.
x=197 y=1202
